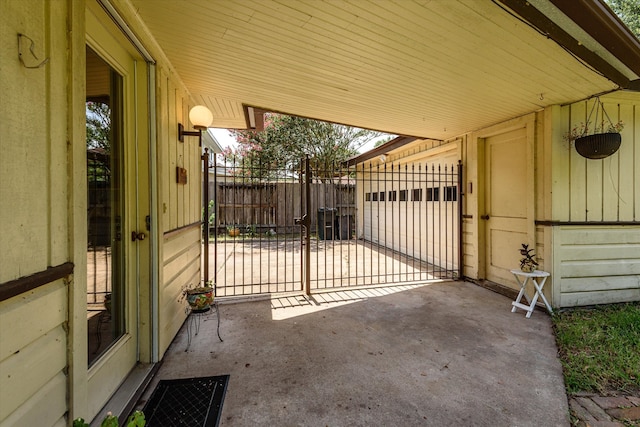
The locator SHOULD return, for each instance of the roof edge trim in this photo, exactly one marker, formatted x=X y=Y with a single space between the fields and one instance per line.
x=552 y=30
x=601 y=23
x=395 y=143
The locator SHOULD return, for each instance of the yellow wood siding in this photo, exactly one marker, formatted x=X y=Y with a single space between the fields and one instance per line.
x=597 y=265
x=470 y=232
x=598 y=190
x=179 y=204
x=37 y=196
x=181 y=268
x=592 y=264
x=33 y=356
x=33 y=149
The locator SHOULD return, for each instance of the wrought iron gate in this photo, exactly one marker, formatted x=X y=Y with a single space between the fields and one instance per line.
x=330 y=226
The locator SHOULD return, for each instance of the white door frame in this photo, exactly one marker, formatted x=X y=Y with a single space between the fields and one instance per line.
x=107 y=373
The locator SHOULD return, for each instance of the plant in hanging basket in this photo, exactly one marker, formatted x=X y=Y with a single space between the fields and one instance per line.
x=602 y=141
x=599 y=145
x=582 y=130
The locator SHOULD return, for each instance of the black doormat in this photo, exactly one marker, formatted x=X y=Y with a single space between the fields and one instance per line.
x=186 y=402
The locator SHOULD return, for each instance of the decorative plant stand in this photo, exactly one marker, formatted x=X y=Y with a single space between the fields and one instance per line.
x=195 y=318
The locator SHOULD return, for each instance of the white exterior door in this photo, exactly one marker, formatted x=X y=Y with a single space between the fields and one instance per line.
x=118 y=198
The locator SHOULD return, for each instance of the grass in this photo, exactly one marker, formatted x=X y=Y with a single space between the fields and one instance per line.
x=600 y=348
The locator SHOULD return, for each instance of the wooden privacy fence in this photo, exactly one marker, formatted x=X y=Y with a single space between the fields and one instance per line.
x=265 y=206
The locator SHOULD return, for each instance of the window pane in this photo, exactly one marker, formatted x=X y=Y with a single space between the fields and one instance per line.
x=105 y=284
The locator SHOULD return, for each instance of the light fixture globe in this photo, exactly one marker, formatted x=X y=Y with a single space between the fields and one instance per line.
x=200 y=117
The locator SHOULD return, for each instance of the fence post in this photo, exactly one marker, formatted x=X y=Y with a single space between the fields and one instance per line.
x=216 y=213
x=307 y=239
x=205 y=164
x=460 y=224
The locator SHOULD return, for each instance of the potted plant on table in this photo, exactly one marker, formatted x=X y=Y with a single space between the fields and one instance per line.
x=528 y=263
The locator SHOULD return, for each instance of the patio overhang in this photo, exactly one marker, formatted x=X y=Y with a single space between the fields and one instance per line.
x=430 y=70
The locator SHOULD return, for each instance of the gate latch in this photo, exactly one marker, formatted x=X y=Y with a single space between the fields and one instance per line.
x=302 y=221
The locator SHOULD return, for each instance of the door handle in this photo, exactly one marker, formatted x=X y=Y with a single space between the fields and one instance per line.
x=485 y=217
x=137 y=236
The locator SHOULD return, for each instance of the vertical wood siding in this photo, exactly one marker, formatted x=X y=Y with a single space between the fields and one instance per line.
x=595 y=264
x=179 y=205
x=469 y=227
x=599 y=190
x=35 y=192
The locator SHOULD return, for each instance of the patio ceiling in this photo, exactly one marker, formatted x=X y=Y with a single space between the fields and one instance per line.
x=433 y=69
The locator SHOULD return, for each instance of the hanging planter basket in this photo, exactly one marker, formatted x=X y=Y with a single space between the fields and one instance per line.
x=599 y=145
x=604 y=141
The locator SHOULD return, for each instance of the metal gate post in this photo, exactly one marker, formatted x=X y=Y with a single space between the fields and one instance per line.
x=460 y=219
x=307 y=237
x=205 y=161
x=305 y=222
x=215 y=224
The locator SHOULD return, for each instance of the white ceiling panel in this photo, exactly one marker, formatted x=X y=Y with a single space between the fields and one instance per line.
x=424 y=68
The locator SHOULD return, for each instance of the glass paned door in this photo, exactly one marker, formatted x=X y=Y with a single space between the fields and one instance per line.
x=105 y=210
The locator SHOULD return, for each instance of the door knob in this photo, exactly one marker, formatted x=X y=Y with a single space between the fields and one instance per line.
x=137 y=236
x=485 y=217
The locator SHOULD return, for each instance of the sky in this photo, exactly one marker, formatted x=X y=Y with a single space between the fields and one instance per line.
x=226 y=140
x=223 y=137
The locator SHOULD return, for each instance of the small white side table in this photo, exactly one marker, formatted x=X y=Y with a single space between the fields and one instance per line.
x=538 y=278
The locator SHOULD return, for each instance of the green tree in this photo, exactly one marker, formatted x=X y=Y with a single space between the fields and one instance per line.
x=286 y=140
x=629 y=13
x=98 y=125
x=383 y=141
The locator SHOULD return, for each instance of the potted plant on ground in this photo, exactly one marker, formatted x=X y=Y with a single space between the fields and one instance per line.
x=605 y=139
x=135 y=420
x=233 y=231
x=528 y=263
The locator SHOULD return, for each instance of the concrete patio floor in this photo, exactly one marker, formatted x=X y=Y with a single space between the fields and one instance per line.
x=441 y=354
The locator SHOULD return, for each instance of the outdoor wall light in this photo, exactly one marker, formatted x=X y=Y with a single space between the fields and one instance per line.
x=201 y=117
